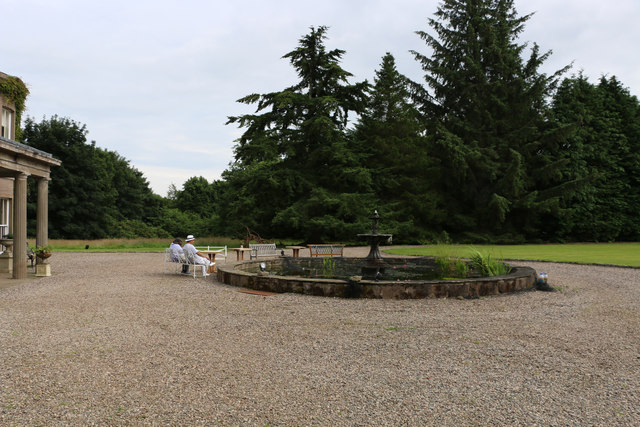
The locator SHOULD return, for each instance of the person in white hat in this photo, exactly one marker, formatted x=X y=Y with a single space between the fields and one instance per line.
x=198 y=256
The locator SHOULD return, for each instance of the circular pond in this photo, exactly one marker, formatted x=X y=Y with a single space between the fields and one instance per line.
x=393 y=278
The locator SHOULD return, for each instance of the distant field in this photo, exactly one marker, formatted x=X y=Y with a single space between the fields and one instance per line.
x=599 y=253
x=131 y=245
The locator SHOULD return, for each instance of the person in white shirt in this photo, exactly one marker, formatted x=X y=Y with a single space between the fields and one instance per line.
x=177 y=254
x=176 y=250
x=199 y=257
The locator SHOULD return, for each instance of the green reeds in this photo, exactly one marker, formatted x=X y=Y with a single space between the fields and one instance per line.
x=452 y=266
x=486 y=265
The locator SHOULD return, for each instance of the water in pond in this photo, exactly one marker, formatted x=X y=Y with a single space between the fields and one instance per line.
x=391 y=269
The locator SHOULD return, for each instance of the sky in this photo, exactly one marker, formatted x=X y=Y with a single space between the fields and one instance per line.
x=156 y=80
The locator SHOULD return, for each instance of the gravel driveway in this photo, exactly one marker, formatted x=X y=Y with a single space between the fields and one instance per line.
x=111 y=340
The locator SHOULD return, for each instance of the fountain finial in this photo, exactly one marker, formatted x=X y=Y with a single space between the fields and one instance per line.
x=375 y=218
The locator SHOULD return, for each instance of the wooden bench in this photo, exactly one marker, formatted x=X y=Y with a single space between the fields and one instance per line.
x=263 y=249
x=326 y=250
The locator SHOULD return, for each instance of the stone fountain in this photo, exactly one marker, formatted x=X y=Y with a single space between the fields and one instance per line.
x=374 y=238
x=374 y=262
x=370 y=277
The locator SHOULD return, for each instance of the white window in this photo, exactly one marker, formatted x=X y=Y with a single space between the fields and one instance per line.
x=7 y=122
x=5 y=210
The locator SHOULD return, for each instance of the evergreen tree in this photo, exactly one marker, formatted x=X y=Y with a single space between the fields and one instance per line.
x=486 y=121
x=605 y=150
x=391 y=135
x=295 y=172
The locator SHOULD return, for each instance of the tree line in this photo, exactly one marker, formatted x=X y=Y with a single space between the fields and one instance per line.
x=488 y=148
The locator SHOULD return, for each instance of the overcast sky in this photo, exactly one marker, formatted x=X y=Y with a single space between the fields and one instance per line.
x=156 y=80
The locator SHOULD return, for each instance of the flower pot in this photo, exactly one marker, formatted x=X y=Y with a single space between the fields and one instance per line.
x=7 y=243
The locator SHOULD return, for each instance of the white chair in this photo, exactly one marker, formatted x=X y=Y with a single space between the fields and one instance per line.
x=191 y=262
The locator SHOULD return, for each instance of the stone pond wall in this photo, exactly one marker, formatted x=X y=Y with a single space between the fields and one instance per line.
x=521 y=278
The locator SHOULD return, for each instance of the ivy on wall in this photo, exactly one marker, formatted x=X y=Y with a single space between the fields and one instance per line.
x=15 y=91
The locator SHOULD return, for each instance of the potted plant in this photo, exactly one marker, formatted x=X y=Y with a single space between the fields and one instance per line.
x=7 y=241
x=42 y=252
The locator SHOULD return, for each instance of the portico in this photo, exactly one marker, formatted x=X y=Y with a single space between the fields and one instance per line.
x=19 y=162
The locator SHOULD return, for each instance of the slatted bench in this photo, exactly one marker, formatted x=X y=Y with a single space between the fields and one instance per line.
x=176 y=265
x=326 y=250
x=263 y=249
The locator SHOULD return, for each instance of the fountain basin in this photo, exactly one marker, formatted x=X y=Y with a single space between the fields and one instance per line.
x=375 y=240
x=346 y=281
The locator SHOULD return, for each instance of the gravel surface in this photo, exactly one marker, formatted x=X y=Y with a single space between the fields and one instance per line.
x=111 y=340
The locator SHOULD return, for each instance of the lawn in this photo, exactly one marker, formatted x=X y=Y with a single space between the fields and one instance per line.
x=599 y=253
x=130 y=245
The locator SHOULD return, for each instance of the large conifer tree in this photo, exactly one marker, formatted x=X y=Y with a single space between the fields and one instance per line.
x=605 y=151
x=391 y=134
x=486 y=120
x=295 y=172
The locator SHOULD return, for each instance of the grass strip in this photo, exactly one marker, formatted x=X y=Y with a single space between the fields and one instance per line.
x=627 y=254
x=129 y=245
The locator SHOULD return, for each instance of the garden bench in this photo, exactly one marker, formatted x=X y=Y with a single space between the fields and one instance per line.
x=263 y=249
x=326 y=250
x=185 y=259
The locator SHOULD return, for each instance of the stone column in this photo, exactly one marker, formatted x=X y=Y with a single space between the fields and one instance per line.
x=43 y=268
x=42 y=227
x=20 y=226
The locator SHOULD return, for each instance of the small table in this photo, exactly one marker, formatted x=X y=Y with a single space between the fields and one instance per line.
x=211 y=254
x=240 y=253
x=296 y=250
x=212 y=257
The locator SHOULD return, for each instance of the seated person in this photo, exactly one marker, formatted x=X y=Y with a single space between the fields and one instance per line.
x=176 y=250
x=199 y=257
x=177 y=255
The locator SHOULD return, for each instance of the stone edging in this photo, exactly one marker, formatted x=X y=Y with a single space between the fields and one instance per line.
x=522 y=278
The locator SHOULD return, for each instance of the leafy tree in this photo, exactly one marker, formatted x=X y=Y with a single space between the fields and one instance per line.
x=176 y=222
x=487 y=124
x=296 y=173
x=94 y=193
x=172 y=192
x=197 y=196
x=81 y=203
x=134 y=200
x=193 y=208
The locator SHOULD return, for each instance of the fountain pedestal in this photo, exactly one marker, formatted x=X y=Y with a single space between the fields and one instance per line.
x=374 y=244
x=373 y=261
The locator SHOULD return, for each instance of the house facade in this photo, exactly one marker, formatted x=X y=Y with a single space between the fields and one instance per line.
x=19 y=163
